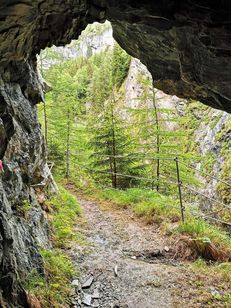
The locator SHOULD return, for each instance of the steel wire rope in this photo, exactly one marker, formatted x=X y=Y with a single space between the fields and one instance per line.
x=201 y=171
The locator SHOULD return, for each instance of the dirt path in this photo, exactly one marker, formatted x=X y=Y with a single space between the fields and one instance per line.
x=129 y=264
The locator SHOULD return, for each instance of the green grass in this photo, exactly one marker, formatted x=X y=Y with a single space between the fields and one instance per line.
x=53 y=289
x=150 y=205
x=223 y=269
x=222 y=272
x=200 y=228
x=123 y=197
x=208 y=240
x=66 y=210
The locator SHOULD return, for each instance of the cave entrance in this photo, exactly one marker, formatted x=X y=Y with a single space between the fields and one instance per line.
x=103 y=117
x=105 y=124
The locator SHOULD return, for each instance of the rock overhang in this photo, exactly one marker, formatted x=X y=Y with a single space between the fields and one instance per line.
x=186 y=45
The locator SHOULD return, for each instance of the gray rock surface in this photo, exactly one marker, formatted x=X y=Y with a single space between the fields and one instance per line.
x=23 y=224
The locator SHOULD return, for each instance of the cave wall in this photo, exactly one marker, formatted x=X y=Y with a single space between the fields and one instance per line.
x=21 y=230
x=186 y=46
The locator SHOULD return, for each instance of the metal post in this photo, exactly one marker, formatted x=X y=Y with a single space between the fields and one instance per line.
x=182 y=208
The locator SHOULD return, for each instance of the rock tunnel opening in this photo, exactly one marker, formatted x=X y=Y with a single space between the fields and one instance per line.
x=72 y=85
x=185 y=45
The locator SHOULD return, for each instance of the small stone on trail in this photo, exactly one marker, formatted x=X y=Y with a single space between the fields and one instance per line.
x=86 y=299
x=88 y=282
x=95 y=304
x=96 y=294
x=116 y=270
x=215 y=293
x=166 y=248
x=75 y=283
x=133 y=257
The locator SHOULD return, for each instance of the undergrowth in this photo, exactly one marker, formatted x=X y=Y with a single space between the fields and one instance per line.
x=222 y=272
x=53 y=289
x=208 y=241
x=65 y=209
x=151 y=206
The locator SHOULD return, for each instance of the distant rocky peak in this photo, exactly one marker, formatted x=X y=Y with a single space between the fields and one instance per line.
x=94 y=39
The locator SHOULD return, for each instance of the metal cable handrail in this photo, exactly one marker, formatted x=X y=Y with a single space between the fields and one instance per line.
x=209 y=198
x=205 y=173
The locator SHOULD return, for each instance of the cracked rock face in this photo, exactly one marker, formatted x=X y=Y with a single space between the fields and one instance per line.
x=21 y=229
x=186 y=45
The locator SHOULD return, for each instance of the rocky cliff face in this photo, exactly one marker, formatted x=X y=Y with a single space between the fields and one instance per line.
x=185 y=44
x=94 y=39
x=213 y=138
x=134 y=91
x=23 y=225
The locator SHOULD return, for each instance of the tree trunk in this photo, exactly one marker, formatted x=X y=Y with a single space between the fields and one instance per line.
x=157 y=140
x=68 y=146
x=113 y=141
x=44 y=106
x=45 y=123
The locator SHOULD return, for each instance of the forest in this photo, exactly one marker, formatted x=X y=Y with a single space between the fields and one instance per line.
x=116 y=138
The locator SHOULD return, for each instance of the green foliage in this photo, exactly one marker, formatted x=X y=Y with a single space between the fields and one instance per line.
x=53 y=289
x=66 y=211
x=157 y=142
x=207 y=162
x=109 y=143
x=23 y=208
x=150 y=205
x=200 y=228
x=224 y=269
x=215 y=121
x=120 y=66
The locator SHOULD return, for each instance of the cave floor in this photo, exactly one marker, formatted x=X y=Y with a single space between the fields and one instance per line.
x=131 y=264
